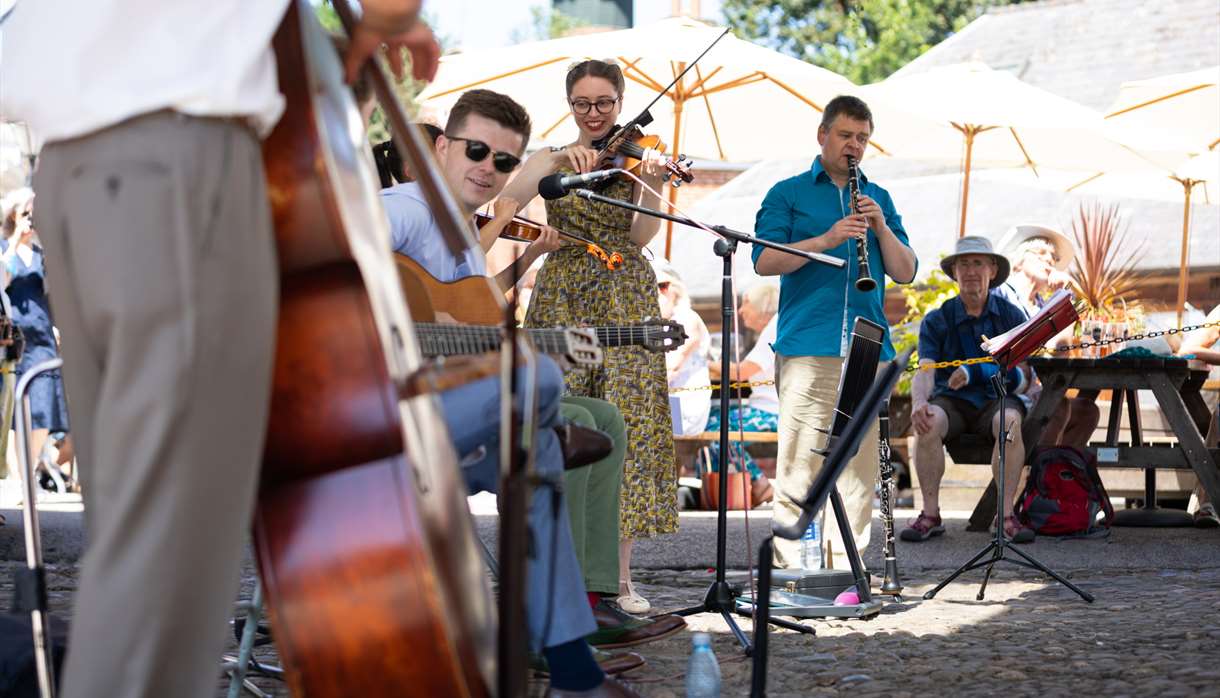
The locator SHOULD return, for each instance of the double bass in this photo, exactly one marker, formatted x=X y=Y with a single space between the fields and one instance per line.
x=365 y=546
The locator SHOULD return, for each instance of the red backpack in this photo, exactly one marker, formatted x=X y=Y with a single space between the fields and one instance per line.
x=1064 y=494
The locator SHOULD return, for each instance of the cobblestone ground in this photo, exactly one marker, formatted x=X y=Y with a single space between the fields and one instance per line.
x=1150 y=633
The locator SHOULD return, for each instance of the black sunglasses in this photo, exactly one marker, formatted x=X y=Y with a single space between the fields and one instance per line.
x=477 y=151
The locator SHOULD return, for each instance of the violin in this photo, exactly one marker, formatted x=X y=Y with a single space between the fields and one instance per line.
x=627 y=148
x=523 y=229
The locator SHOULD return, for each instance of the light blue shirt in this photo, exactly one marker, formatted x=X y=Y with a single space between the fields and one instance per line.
x=818 y=303
x=415 y=233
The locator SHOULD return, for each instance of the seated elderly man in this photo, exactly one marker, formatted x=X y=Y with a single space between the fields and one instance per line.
x=1039 y=257
x=953 y=401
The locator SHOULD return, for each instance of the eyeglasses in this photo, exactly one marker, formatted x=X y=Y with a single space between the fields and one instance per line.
x=604 y=106
x=477 y=151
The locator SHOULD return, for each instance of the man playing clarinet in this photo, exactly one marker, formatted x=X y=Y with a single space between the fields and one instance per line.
x=818 y=304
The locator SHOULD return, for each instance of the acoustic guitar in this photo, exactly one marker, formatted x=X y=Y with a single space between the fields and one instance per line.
x=471 y=301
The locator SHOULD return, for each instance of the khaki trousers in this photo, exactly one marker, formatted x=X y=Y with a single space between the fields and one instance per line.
x=162 y=273
x=808 y=390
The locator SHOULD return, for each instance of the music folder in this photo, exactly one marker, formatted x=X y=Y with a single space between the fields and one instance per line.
x=1015 y=345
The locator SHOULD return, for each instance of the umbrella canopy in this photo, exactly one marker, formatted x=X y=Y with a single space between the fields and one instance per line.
x=990 y=118
x=1179 y=111
x=741 y=102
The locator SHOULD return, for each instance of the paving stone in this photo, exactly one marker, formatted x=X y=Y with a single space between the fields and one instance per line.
x=1135 y=641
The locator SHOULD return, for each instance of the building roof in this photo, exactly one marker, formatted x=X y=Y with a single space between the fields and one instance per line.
x=1084 y=49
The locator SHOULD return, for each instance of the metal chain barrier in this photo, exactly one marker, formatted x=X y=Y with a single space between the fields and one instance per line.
x=987 y=359
x=1083 y=345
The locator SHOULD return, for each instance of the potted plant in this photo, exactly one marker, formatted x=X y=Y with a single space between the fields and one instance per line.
x=1103 y=272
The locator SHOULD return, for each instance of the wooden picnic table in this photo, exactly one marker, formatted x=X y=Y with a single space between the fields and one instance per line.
x=1176 y=386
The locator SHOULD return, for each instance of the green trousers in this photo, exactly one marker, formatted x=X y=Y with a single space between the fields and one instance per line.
x=593 y=495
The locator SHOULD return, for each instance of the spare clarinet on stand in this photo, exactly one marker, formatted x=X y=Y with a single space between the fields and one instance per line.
x=864 y=276
x=891 y=585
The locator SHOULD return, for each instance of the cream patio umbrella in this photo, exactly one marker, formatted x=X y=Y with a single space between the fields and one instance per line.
x=1181 y=111
x=741 y=102
x=989 y=118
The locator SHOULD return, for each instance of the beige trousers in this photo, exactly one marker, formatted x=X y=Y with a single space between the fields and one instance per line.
x=162 y=276
x=808 y=391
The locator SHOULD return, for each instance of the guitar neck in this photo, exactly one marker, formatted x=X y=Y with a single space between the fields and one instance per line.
x=622 y=335
x=455 y=340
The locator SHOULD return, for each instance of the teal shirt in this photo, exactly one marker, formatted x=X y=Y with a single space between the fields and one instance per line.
x=818 y=303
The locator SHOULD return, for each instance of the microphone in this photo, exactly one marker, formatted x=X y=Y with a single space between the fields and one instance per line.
x=557 y=186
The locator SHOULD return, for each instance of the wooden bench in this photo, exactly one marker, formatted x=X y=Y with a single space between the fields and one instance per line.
x=711 y=437
x=686 y=446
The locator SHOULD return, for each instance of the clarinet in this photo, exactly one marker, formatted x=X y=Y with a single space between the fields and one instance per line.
x=864 y=277
x=891 y=584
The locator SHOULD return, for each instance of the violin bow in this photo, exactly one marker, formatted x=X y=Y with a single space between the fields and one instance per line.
x=644 y=112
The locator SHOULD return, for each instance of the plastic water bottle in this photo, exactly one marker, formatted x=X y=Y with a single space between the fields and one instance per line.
x=811 y=547
x=702 y=672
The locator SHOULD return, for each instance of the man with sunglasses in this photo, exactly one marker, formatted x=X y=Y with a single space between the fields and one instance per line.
x=481 y=146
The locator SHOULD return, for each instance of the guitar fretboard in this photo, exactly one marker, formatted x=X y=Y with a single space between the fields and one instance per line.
x=454 y=340
x=624 y=335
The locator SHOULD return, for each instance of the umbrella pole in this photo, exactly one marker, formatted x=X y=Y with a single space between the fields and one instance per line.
x=1187 y=186
x=969 y=131
x=679 y=102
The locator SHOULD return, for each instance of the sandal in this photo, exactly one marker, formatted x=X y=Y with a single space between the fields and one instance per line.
x=631 y=602
x=1016 y=531
x=921 y=528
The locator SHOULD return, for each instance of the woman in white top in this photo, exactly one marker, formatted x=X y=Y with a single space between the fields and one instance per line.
x=758 y=312
x=687 y=366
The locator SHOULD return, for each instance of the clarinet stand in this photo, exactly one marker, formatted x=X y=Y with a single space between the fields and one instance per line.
x=1000 y=543
x=721 y=596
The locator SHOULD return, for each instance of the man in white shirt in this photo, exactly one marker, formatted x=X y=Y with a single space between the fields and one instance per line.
x=161 y=260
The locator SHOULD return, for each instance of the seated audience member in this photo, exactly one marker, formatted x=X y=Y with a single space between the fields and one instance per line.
x=952 y=401
x=1040 y=257
x=759 y=306
x=687 y=365
x=1204 y=345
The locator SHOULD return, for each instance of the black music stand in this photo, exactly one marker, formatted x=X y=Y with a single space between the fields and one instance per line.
x=840 y=454
x=1000 y=543
x=721 y=596
x=860 y=368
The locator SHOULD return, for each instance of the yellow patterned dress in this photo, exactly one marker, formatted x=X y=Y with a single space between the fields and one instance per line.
x=574 y=289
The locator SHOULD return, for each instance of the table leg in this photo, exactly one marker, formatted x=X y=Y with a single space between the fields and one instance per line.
x=1188 y=435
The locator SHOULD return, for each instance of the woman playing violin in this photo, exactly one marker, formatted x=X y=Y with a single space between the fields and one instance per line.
x=574 y=288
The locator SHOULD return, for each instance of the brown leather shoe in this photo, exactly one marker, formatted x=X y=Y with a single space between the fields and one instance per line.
x=582 y=445
x=616 y=628
x=612 y=663
x=610 y=688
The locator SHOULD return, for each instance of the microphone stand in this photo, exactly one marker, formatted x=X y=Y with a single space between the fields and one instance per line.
x=720 y=596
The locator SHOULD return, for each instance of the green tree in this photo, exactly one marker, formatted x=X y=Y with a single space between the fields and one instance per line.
x=406 y=89
x=863 y=40
x=546 y=23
